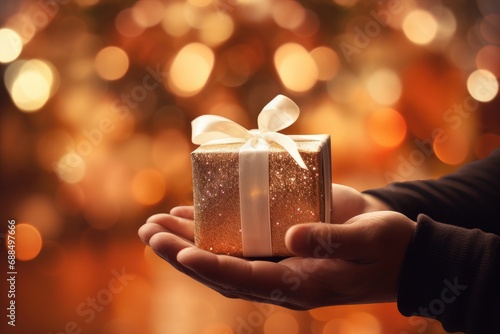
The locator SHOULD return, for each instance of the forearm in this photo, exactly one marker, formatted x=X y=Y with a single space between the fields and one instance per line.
x=452 y=274
x=468 y=198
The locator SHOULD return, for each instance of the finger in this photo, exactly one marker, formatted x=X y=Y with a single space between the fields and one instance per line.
x=235 y=276
x=167 y=246
x=345 y=241
x=147 y=230
x=180 y=226
x=183 y=211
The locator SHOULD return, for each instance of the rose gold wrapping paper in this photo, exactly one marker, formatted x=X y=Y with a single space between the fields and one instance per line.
x=296 y=195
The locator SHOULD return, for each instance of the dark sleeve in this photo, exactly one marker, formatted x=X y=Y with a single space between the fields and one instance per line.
x=451 y=274
x=451 y=269
x=469 y=197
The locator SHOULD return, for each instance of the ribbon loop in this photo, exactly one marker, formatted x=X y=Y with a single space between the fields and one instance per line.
x=278 y=114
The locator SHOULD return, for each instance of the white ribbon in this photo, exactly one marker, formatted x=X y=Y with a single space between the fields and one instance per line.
x=277 y=115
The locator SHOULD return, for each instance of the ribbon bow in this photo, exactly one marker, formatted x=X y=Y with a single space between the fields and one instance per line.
x=277 y=115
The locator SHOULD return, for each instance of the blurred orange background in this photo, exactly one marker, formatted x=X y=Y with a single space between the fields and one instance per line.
x=95 y=110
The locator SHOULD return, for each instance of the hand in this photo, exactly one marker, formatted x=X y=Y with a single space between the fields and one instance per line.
x=356 y=262
x=348 y=202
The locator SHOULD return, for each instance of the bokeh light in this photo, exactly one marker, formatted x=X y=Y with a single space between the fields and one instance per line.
x=482 y=85
x=288 y=14
x=446 y=25
x=191 y=69
x=31 y=83
x=127 y=25
x=173 y=21
x=295 y=66
x=148 y=13
x=220 y=328
x=327 y=61
x=28 y=242
x=386 y=127
x=420 y=26
x=384 y=86
x=111 y=63
x=11 y=45
x=148 y=186
x=281 y=322
x=70 y=168
x=489 y=28
x=218 y=28
x=453 y=148
x=488 y=58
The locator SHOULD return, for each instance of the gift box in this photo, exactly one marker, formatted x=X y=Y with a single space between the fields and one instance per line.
x=251 y=186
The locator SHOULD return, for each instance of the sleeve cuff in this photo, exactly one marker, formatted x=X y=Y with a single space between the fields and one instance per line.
x=445 y=275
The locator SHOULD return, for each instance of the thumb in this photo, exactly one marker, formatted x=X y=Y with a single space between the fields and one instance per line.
x=346 y=241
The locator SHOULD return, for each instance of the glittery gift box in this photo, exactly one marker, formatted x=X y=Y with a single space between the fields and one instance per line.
x=296 y=195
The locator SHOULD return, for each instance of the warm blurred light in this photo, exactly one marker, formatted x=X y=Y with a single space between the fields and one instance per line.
x=28 y=242
x=54 y=257
x=296 y=68
x=70 y=168
x=40 y=211
x=173 y=21
x=327 y=61
x=76 y=102
x=132 y=305
x=488 y=58
x=111 y=63
x=309 y=26
x=447 y=24
x=453 y=149
x=281 y=322
x=195 y=16
x=69 y=198
x=346 y=3
x=384 y=86
x=346 y=88
x=148 y=186
x=30 y=83
x=100 y=213
x=220 y=328
x=201 y=3
x=482 y=85
x=148 y=13
x=126 y=25
x=487 y=6
x=386 y=127
x=191 y=69
x=420 y=26
x=50 y=146
x=365 y=323
x=489 y=28
x=461 y=55
x=152 y=259
x=288 y=14
x=11 y=45
x=236 y=67
x=217 y=29
x=485 y=144
x=87 y=3
x=340 y=326
x=251 y=10
x=170 y=151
